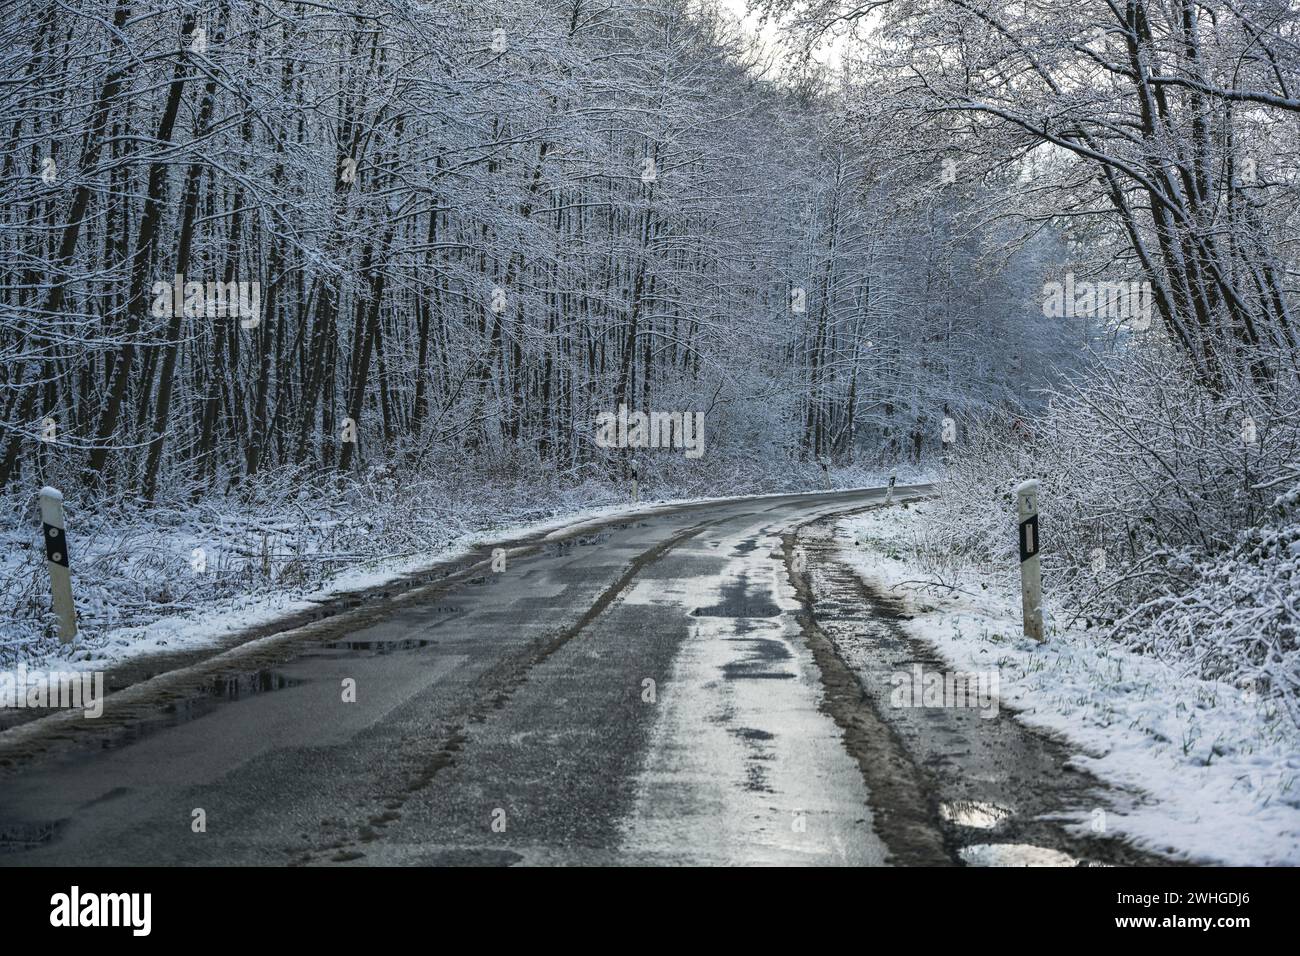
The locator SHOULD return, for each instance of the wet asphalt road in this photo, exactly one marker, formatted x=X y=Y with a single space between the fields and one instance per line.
x=651 y=691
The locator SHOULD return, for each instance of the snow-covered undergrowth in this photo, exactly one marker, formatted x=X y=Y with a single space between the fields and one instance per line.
x=1217 y=767
x=157 y=578
x=1170 y=519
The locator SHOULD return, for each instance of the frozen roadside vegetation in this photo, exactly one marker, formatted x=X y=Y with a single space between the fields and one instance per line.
x=1170 y=517
x=165 y=578
x=1171 y=571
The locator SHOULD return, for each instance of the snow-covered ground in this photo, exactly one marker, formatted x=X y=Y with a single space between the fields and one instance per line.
x=1220 y=770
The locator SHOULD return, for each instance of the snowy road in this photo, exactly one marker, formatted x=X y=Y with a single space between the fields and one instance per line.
x=661 y=690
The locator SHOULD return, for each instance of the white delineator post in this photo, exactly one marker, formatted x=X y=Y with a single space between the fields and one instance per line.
x=889 y=495
x=635 y=490
x=1031 y=574
x=55 y=533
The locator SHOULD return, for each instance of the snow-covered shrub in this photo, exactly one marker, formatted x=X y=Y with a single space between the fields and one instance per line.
x=1161 y=518
x=1239 y=617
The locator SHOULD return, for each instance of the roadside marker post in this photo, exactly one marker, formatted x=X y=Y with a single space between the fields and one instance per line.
x=826 y=470
x=635 y=491
x=55 y=533
x=889 y=495
x=1031 y=574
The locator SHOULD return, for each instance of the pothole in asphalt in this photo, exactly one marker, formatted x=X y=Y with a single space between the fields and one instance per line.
x=200 y=701
x=1014 y=854
x=976 y=814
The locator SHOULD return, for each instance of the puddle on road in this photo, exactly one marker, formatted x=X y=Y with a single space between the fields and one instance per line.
x=199 y=701
x=244 y=685
x=222 y=690
x=975 y=814
x=228 y=689
x=1014 y=854
x=196 y=702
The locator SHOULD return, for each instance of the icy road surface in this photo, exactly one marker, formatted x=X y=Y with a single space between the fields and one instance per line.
x=661 y=690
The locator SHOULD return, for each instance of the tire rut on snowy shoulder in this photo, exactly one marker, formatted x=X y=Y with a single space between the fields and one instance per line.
x=904 y=818
x=1000 y=792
